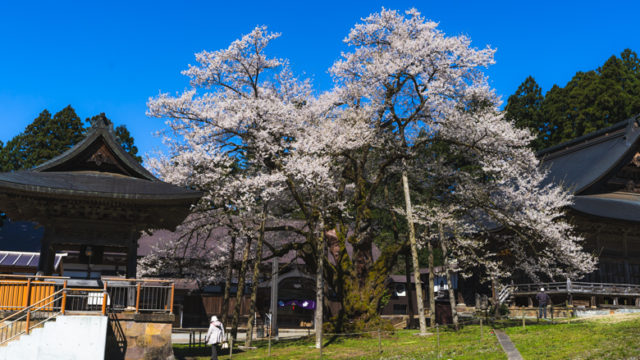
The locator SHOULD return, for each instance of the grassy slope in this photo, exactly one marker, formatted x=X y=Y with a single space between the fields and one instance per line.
x=402 y=345
x=611 y=337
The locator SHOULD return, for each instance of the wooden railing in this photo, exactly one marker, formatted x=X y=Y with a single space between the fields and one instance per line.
x=140 y=295
x=17 y=294
x=47 y=308
x=578 y=288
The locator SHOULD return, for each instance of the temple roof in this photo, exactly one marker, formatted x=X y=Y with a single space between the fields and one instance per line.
x=601 y=169
x=93 y=185
x=96 y=167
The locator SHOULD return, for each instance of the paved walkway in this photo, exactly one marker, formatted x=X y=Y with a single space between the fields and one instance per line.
x=507 y=345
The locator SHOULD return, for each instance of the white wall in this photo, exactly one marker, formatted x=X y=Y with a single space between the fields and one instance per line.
x=66 y=338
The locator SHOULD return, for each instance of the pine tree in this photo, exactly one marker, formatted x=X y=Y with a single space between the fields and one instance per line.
x=47 y=137
x=524 y=108
x=592 y=100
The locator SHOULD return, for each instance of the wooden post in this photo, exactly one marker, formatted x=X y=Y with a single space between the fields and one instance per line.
x=414 y=251
x=269 y=351
x=63 y=305
x=481 y=335
x=173 y=290
x=379 y=341
x=104 y=299
x=138 y=298
x=438 y=339
x=28 y=320
x=530 y=301
x=27 y=300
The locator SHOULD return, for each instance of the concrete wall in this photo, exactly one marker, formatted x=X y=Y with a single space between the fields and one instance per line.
x=139 y=337
x=66 y=338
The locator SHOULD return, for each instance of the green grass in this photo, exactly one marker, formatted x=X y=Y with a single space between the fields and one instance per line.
x=404 y=344
x=610 y=337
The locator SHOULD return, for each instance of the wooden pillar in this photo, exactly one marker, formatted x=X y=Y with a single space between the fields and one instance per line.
x=615 y=300
x=627 y=270
x=592 y=302
x=132 y=258
x=638 y=302
x=132 y=266
x=47 y=254
x=530 y=301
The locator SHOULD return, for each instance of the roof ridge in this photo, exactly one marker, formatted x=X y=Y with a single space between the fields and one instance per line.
x=584 y=138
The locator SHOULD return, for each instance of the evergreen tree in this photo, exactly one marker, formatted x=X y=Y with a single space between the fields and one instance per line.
x=43 y=139
x=524 y=109
x=47 y=137
x=592 y=100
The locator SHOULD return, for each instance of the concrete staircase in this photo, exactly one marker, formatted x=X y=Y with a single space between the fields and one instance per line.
x=66 y=338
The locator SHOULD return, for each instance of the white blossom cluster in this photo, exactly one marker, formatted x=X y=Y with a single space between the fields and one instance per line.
x=253 y=136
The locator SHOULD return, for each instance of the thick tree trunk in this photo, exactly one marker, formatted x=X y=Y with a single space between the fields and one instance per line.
x=227 y=282
x=432 y=295
x=254 y=282
x=414 y=253
x=407 y=256
x=452 y=299
x=320 y=285
x=240 y=289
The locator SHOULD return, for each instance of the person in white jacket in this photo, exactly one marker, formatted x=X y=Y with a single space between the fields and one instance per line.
x=215 y=336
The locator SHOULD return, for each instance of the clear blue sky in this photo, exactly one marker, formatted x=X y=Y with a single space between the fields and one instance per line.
x=111 y=56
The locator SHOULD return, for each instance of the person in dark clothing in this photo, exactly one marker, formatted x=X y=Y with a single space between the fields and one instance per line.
x=543 y=301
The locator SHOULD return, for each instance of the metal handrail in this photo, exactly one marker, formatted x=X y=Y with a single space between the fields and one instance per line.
x=31 y=306
x=46 y=305
x=143 y=295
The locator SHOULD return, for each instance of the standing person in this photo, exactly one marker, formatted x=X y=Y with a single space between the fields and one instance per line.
x=543 y=301
x=215 y=336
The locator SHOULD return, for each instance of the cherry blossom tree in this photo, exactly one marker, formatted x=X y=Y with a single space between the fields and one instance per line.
x=416 y=88
x=408 y=100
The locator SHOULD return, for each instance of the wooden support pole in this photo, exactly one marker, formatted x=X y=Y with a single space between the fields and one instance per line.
x=173 y=291
x=104 y=299
x=27 y=299
x=138 y=298
x=63 y=305
x=28 y=321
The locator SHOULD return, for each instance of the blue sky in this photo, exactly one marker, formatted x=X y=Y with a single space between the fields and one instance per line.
x=111 y=56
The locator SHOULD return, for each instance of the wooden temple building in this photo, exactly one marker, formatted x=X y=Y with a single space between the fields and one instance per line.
x=92 y=203
x=602 y=169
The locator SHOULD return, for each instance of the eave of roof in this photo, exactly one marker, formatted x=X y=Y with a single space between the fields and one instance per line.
x=617 y=205
x=581 y=164
x=83 y=185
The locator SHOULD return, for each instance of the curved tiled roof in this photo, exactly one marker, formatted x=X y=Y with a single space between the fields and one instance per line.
x=583 y=166
x=93 y=184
